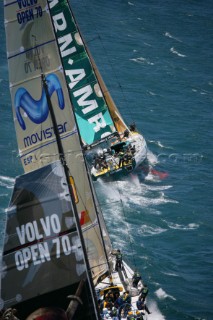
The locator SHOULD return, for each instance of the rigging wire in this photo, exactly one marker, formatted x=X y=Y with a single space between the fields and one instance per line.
x=125 y=219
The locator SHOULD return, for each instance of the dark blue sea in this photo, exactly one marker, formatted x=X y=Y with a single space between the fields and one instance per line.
x=156 y=58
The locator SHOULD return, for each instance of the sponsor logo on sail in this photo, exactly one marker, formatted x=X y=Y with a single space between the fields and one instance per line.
x=28 y=11
x=37 y=111
x=83 y=90
x=39 y=238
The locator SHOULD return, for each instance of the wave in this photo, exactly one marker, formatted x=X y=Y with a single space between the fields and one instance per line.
x=167 y=34
x=159 y=144
x=145 y=202
x=138 y=193
x=171 y=274
x=161 y=294
x=133 y=192
x=147 y=231
x=159 y=188
x=177 y=53
x=142 y=60
x=152 y=93
x=176 y=226
x=152 y=158
x=130 y=3
x=201 y=92
x=3 y=194
x=155 y=176
x=7 y=182
x=155 y=312
x=147 y=44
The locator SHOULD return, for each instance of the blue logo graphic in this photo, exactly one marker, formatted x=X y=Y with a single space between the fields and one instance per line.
x=37 y=111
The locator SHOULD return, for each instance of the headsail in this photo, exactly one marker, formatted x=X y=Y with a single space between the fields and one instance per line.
x=29 y=46
x=115 y=114
x=91 y=112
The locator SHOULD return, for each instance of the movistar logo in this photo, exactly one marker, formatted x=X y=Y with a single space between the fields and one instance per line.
x=37 y=110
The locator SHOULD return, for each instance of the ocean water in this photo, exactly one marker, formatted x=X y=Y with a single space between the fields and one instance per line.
x=157 y=61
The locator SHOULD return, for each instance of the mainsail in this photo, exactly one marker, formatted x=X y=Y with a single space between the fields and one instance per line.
x=40 y=36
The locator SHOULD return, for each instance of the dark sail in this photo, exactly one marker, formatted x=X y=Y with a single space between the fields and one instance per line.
x=43 y=260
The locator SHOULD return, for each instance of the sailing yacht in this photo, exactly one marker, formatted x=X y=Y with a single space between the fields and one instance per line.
x=57 y=261
x=121 y=152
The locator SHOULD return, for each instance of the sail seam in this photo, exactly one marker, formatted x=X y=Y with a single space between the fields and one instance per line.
x=24 y=51
x=44 y=145
x=40 y=241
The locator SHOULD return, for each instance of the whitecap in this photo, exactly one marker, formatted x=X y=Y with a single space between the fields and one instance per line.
x=147 y=44
x=7 y=182
x=153 y=212
x=171 y=274
x=177 y=53
x=159 y=188
x=131 y=192
x=152 y=158
x=159 y=144
x=142 y=60
x=136 y=194
x=167 y=34
x=131 y=4
x=176 y=226
x=155 y=312
x=147 y=231
x=161 y=294
x=152 y=93
x=4 y=194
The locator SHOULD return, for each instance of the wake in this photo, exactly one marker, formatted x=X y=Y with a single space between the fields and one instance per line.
x=123 y=202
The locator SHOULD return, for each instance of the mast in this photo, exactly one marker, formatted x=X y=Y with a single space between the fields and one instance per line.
x=112 y=135
x=66 y=170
